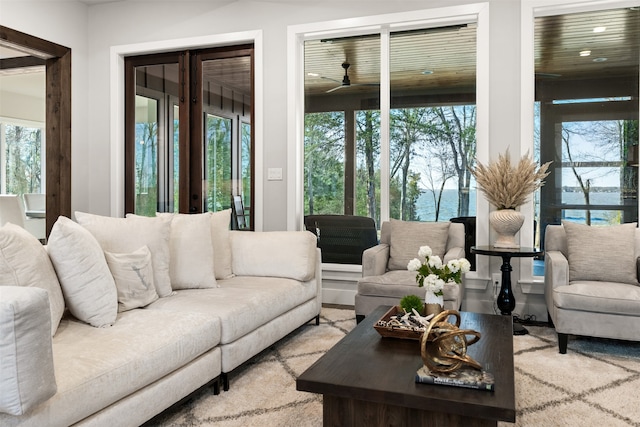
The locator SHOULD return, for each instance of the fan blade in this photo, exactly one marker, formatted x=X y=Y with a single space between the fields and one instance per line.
x=336 y=88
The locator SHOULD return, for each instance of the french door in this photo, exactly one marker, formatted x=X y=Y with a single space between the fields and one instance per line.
x=188 y=131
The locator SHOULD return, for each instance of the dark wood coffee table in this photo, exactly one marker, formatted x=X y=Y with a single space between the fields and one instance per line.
x=367 y=380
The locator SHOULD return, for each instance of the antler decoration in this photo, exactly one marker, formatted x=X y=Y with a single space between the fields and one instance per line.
x=443 y=345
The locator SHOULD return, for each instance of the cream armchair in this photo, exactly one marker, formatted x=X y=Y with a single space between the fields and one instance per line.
x=385 y=278
x=591 y=281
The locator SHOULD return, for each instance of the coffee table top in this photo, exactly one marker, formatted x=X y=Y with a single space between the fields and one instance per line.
x=366 y=366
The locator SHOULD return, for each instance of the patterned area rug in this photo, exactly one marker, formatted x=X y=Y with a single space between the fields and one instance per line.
x=594 y=384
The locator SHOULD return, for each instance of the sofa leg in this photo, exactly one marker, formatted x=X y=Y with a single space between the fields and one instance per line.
x=359 y=318
x=224 y=377
x=216 y=386
x=318 y=320
x=549 y=320
x=563 y=340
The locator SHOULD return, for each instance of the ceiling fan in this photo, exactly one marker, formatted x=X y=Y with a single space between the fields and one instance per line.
x=346 y=82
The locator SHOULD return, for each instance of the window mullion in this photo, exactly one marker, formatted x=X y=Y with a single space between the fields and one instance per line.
x=385 y=106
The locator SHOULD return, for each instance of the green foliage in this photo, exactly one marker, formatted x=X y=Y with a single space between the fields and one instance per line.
x=410 y=302
x=23 y=146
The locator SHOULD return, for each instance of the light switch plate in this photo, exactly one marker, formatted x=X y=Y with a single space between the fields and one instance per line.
x=274 y=174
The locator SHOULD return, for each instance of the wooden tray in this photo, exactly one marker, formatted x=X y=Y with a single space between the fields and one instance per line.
x=389 y=332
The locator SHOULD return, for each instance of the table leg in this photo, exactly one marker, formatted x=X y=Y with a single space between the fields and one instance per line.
x=506 y=301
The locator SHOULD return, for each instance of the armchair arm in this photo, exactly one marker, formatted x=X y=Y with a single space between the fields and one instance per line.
x=453 y=253
x=374 y=260
x=556 y=273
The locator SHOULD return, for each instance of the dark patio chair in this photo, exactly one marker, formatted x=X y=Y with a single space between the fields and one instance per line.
x=342 y=238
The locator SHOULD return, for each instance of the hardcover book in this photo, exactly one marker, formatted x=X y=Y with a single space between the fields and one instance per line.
x=463 y=377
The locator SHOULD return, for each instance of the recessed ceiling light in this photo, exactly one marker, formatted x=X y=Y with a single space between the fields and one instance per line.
x=427 y=72
x=599 y=29
x=585 y=53
x=599 y=59
x=313 y=74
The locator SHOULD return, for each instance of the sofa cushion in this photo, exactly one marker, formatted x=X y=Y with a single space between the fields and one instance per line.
x=26 y=372
x=89 y=289
x=601 y=253
x=406 y=237
x=598 y=297
x=124 y=235
x=220 y=237
x=291 y=254
x=243 y=303
x=398 y=283
x=98 y=367
x=191 y=251
x=24 y=262
x=133 y=274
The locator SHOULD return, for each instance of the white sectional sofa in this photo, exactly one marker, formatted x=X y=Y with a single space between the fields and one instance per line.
x=116 y=319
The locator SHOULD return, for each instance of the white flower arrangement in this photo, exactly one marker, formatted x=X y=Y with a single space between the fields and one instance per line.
x=433 y=274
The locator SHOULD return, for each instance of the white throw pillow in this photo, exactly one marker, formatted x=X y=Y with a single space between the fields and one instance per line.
x=133 y=274
x=192 y=253
x=122 y=235
x=291 y=254
x=84 y=275
x=220 y=222
x=24 y=262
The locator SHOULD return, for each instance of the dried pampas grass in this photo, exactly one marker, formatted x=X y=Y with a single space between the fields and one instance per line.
x=508 y=187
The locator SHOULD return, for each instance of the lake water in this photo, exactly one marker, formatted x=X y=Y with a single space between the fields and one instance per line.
x=449 y=206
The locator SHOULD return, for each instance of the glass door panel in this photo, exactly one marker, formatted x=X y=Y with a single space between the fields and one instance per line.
x=146 y=156
x=217 y=160
x=432 y=123
x=246 y=148
x=342 y=126
x=228 y=145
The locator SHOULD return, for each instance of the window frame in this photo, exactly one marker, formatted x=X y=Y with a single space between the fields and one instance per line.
x=530 y=10
x=386 y=24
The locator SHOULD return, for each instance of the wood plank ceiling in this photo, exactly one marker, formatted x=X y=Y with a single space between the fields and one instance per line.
x=443 y=59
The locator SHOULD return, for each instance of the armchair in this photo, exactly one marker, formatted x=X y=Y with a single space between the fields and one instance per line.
x=591 y=281
x=385 y=278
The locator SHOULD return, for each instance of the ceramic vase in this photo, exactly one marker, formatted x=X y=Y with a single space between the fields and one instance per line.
x=433 y=304
x=506 y=223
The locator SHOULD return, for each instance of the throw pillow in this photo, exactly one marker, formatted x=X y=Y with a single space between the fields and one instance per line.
x=133 y=274
x=601 y=253
x=221 y=240
x=122 y=235
x=407 y=237
x=84 y=275
x=192 y=252
x=27 y=377
x=24 y=262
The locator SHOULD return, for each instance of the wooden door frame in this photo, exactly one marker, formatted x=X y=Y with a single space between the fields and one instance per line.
x=57 y=116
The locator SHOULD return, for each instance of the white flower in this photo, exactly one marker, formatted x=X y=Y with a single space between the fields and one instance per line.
x=435 y=262
x=465 y=265
x=414 y=264
x=454 y=265
x=425 y=251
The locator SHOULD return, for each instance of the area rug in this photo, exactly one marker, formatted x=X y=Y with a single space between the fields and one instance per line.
x=594 y=384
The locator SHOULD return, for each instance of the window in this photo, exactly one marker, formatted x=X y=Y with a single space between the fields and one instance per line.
x=586 y=117
x=432 y=119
